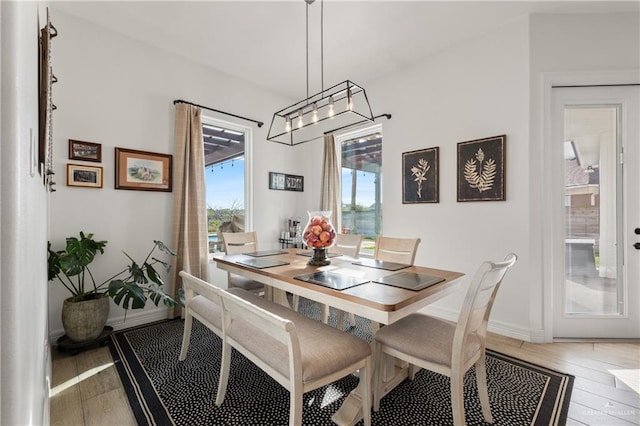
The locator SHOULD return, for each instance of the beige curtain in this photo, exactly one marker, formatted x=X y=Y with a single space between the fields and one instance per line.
x=189 y=205
x=330 y=181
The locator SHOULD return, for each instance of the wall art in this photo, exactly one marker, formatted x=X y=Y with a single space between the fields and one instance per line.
x=420 y=175
x=85 y=151
x=481 y=169
x=142 y=170
x=85 y=176
x=286 y=182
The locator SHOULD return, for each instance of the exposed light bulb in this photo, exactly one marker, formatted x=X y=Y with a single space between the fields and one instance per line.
x=349 y=100
x=331 y=112
x=314 y=116
x=300 y=122
x=287 y=125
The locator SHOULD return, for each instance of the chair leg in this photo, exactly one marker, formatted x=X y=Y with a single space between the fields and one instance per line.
x=325 y=314
x=457 y=398
x=340 y=318
x=378 y=375
x=295 y=410
x=366 y=378
x=295 y=302
x=413 y=370
x=224 y=373
x=186 y=336
x=483 y=392
x=352 y=320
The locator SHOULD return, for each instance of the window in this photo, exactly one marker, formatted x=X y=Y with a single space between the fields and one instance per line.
x=361 y=189
x=226 y=176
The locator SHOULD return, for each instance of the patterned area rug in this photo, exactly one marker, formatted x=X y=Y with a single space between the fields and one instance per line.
x=164 y=391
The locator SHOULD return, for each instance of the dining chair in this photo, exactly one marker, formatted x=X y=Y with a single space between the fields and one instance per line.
x=444 y=347
x=347 y=245
x=391 y=249
x=238 y=243
x=399 y=250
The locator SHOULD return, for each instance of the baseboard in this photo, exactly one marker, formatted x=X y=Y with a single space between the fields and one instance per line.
x=134 y=318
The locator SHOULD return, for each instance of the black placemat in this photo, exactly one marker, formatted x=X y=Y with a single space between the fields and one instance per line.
x=262 y=253
x=381 y=264
x=261 y=263
x=409 y=280
x=332 y=280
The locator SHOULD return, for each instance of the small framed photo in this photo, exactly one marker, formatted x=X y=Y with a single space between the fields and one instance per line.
x=85 y=176
x=143 y=171
x=481 y=169
x=294 y=183
x=85 y=151
x=420 y=174
x=276 y=180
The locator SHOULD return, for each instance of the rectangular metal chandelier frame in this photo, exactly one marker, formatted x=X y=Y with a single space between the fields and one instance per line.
x=339 y=106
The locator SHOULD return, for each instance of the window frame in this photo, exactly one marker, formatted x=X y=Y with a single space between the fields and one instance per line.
x=248 y=166
x=340 y=138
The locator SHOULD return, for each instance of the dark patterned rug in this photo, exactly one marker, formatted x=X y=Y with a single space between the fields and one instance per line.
x=164 y=391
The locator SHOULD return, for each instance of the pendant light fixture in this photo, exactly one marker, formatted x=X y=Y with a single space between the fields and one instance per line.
x=337 y=107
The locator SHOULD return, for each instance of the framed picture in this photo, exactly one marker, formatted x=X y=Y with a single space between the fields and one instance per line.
x=481 y=169
x=276 y=180
x=142 y=170
x=85 y=151
x=420 y=173
x=282 y=181
x=85 y=176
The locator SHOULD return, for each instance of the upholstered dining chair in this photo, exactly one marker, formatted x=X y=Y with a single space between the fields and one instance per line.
x=447 y=348
x=399 y=250
x=244 y=242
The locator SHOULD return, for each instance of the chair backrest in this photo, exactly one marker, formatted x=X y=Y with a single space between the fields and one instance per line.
x=347 y=244
x=479 y=300
x=400 y=250
x=240 y=242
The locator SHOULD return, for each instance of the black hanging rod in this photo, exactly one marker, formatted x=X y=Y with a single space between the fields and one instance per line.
x=594 y=85
x=388 y=116
x=259 y=123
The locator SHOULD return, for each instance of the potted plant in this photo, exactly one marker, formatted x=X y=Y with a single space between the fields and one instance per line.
x=85 y=313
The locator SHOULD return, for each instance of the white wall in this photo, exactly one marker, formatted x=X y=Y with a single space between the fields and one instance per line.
x=119 y=92
x=25 y=365
x=475 y=90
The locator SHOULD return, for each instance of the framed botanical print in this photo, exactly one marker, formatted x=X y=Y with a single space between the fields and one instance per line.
x=420 y=173
x=481 y=169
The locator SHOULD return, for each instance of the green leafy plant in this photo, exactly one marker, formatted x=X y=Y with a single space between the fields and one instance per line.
x=129 y=288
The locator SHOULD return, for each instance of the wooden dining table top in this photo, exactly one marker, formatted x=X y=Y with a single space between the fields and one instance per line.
x=378 y=302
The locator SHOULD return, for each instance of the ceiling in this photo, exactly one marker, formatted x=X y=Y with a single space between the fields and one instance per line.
x=263 y=42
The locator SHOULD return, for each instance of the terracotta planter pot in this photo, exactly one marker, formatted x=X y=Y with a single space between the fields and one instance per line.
x=84 y=321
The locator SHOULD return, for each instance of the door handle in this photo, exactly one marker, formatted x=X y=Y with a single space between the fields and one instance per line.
x=637 y=246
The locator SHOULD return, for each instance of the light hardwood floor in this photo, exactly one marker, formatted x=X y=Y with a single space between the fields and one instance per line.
x=606 y=390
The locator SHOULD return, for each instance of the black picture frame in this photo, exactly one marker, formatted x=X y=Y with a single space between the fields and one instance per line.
x=420 y=176
x=481 y=169
x=286 y=182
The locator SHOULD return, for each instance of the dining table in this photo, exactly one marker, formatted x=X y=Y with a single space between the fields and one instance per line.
x=378 y=291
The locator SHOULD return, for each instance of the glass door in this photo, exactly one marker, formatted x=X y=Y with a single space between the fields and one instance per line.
x=597 y=295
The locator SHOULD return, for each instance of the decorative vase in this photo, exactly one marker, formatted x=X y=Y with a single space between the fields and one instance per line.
x=319 y=234
x=84 y=321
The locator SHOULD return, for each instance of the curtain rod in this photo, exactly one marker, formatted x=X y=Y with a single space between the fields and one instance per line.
x=355 y=124
x=259 y=123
